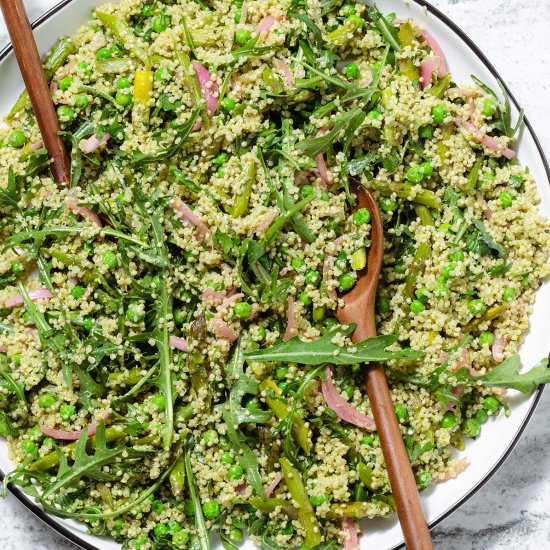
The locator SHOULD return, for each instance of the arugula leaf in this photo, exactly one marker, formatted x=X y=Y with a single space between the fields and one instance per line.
x=76 y=159
x=360 y=164
x=5 y=425
x=488 y=240
x=388 y=31
x=507 y=375
x=323 y=350
x=8 y=195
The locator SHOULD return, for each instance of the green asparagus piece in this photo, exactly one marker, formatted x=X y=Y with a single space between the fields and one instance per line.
x=177 y=477
x=240 y=208
x=404 y=191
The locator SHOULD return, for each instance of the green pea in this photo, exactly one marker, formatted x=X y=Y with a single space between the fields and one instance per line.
x=331 y=224
x=471 y=427
x=226 y=458
x=17 y=268
x=174 y=526
x=489 y=107
x=346 y=281
x=88 y=323
x=448 y=269
x=400 y=412
x=109 y=259
x=147 y=10
x=324 y=196
x=506 y=199
x=252 y=405
x=46 y=400
x=477 y=307
x=235 y=471
x=180 y=539
x=422 y=294
x=78 y=291
x=224 y=442
x=221 y=172
x=160 y=23
x=138 y=542
x=124 y=100
x=235 y=535
x=509 y=294
x=439 y=113
x=211 y=438
x=305 y=298
x=417 y=307
x=118 y=524
x=457 y=256
x=228 y=104
x=388 y=205
x=242 y=309
x=163 y=74
x=157 y=506
x=261 y=334
x=103 y=53
x=307 y=190
x=351 y=71
x=221 y=158
x=161 y=530
x=67 y=411
x=361 y=216
x=238 y=15
x=444 y=228
x=312 y=277
x=65 y=113
x=159 y=401
x=347 y=9
x=124 y=83
x=85 y=69
x=281 y=372
x=486 y=339
x=399 y=268
x=35 y=433
x=424 y=479
x=133 y=314
x=179 y=316
x=318 y=500
x=491 y=404
x=65 y=83
x=211 y=509
x=16 y=360
x=368 y=439
x=383 y=304
x=448 y=421
x=17 y=139
x=27 y=446
x=81 y=101
x=242 y=36
x=375 y=114
x=416 y=174
x=481 y=416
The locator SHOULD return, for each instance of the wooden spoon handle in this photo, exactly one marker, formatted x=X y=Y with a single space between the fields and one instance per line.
x=30 y=64
x=403 y=485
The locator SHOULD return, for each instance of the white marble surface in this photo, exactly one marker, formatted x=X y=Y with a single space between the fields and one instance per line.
x=512 y=510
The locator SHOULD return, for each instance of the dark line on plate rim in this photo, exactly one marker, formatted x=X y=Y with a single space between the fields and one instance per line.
x=75 y=539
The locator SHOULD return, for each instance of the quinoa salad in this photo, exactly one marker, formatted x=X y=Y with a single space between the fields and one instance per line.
x=171 y=369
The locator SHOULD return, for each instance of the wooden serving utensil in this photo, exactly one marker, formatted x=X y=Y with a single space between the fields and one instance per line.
x=359 y=309
x=30 y=64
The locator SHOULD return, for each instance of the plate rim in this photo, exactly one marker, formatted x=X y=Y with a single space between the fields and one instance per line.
x=59 y=528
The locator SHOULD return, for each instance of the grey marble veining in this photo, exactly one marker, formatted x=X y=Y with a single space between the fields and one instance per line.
x=512 y=511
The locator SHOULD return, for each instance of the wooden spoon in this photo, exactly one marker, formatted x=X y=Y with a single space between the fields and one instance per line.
x=359 y=309
x=30 y=64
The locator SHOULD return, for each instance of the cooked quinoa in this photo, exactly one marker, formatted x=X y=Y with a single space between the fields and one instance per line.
x=172 y=311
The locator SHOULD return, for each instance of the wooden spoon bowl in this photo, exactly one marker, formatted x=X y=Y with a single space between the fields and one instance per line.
x=359 y=309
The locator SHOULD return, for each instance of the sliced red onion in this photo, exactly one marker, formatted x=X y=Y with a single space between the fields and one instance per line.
x=459 y=467
x=484 y=139
x=282 y=65
x=223 y=330
x=300 y=177
x=473 y=109
x=92 y=143
x=230 y=300
x=266 y=23
x=83 y=211
x=351 y=541
x=487 y=213
x=66 y=435
x=264 y=225
x=273 y=485
x=214 y=294
x=244 y=13
x=427 y=68
x=443 y=357
x=498 y=347
x=54 y=86
x=186 y=214
x=241 y=488
x=462 y=91
x=36 y=145
x=208 y=87
x=179 y=343
x=3 y=349
x=290 y=320
x=40 y=294
x=197 y=126
x=438 y=51
x=341 y=407
x=322 y=169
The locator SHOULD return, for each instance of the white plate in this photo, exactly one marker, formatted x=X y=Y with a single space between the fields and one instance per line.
x=499 y=435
